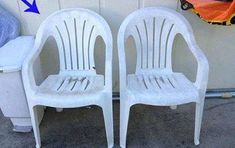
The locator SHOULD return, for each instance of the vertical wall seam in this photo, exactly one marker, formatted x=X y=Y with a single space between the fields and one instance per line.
x=19 y=8
x=138 y=4
x=141 y=4
x=99 y=6
x=178 y=6
x=20 y=15
x=59 y=2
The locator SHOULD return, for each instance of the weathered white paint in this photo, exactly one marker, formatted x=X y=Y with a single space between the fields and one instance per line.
x=216 y=41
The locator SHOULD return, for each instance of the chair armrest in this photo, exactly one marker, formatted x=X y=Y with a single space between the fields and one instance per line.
x=203 y=65
x=27 y=68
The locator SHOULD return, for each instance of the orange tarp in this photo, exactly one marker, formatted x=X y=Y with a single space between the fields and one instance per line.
x=215 y=11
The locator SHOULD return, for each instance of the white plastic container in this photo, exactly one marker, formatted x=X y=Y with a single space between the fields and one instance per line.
x=13 y=102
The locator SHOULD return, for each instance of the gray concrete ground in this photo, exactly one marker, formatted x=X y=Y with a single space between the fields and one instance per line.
x=149 y=127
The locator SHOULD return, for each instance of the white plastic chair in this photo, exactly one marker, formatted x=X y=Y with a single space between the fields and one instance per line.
x=77 y=84
x=154 y=82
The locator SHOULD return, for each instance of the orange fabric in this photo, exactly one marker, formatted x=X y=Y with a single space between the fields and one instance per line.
x=214 y=11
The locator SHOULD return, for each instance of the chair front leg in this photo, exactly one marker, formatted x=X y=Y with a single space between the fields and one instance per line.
x=124 y=117
x=107 y=109
x=198 y=121
x=35 y=124
x=173 y=107
x=59 y=110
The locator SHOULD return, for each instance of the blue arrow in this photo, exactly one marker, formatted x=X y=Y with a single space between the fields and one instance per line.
x=32 y=7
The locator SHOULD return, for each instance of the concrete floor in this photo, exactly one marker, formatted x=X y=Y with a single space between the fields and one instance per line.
x=149 y=127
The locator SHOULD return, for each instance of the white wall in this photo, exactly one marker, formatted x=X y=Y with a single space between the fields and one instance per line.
x=217 y=42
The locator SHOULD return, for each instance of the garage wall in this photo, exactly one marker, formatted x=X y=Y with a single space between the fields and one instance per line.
x=216 y=41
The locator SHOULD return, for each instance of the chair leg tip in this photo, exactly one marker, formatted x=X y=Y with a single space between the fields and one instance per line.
x=174 y=107
x=196 y=142
x=59 y=110
x=38 y=146
x=122 y=145
x=110 y=146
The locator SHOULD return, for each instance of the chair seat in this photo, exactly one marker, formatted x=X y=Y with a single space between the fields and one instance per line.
x=71 y=85
x=162 y=89
x=71 y=91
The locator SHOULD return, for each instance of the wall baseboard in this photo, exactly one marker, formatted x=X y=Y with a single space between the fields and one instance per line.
x=224 y=93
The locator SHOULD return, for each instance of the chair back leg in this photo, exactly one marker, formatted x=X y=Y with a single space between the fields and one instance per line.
x=35 y=124
x=198 y=122
x=124 y=117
